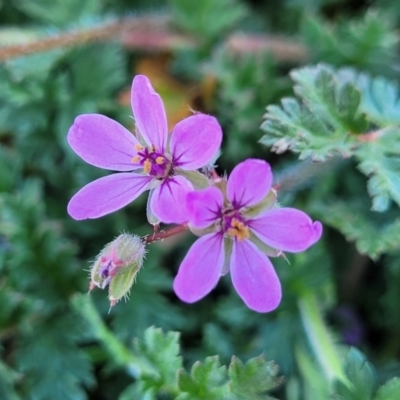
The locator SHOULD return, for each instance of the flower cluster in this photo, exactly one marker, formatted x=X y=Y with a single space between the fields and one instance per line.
x=236 y=218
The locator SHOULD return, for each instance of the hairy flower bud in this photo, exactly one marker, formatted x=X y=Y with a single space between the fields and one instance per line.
x=117 y=266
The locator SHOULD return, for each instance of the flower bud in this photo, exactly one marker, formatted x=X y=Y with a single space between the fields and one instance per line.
x=117 y=266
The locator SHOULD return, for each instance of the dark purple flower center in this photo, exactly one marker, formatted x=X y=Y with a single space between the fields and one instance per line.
x=154 y=163
x=234 y=225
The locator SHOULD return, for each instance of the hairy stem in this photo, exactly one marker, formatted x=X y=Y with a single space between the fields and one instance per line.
x=165 y=234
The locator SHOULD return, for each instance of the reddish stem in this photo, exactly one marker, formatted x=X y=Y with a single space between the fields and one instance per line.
x=165 y=234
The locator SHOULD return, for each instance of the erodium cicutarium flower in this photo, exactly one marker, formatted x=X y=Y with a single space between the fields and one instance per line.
x=162 y=164
x=240 y=226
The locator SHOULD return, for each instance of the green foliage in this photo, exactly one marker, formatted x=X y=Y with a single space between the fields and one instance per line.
x=389 y=391
x=367 y=43
x=207 y=19
x=253 y=379
x=57 y=342
x=161 y=352
x=337 y=109
x=240 y=103
x=206 y=381
x=361 y=377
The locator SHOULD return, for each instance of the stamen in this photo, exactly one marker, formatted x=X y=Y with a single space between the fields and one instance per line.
x=135 y=159
x=238 y=230
x=138 y=147
x=147 y=166
x=160 y=160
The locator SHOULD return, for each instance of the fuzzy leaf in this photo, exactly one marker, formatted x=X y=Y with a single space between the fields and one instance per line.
x=325 y=122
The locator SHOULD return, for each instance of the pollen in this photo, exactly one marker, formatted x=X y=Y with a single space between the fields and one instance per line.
x=147 y=166
x=238 y=230
x=160 y=160
x=136 y=159
x=138 y=147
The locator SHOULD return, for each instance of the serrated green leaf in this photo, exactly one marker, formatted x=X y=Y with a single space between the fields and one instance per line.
x=380 y=100
x=254 y=379
x=361 y=375
x=324 y=125
x=379 y=160
x=161 y=351
x=373 y=235
x=389 y=391
x=206 y=380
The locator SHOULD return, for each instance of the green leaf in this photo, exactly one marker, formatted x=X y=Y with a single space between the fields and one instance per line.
x=206 y=380
x=360 y=373
x=324 y=123
x=161 y=351
x=380 y=161
x=254 y=379
x=54 y=367
x=373 y=234
x=380 y=100
x=208 y=18
x=367 y=42
x=389 y=391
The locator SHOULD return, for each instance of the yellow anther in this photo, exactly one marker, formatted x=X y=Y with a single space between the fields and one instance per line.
x=153 y=148
x=160 y=160
x=135 y=159
x=147 y=166
x=138 y=147
x=239 y=230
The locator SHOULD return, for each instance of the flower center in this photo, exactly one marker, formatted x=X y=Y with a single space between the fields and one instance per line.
x=234 y=225
x=154 y=163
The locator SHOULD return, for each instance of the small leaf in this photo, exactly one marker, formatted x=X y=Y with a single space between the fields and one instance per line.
x=360 y=374
x=206 y=381
x=161 y=351
x=389 y=391
x=254 y=379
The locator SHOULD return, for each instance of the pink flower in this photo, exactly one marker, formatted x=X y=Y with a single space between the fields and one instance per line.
x=162 y=164
x=239 y=226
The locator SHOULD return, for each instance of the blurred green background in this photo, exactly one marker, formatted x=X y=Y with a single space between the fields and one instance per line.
x=228 y=58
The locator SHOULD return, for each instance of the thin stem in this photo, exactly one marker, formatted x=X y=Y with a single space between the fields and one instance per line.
x=156 y=33
x=165 y=234
x=107 y=31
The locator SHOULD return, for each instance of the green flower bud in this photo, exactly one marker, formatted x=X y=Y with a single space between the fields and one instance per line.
x=117 y=266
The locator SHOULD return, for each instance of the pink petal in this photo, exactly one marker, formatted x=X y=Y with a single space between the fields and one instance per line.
x=249 y=182
x=254 y=277
x=201 y=268
x=204 y=207
x=287 y=229
x=102 y=142
x=195 y=140
x=168 y=200
x=148 y=110
x=106 y=195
